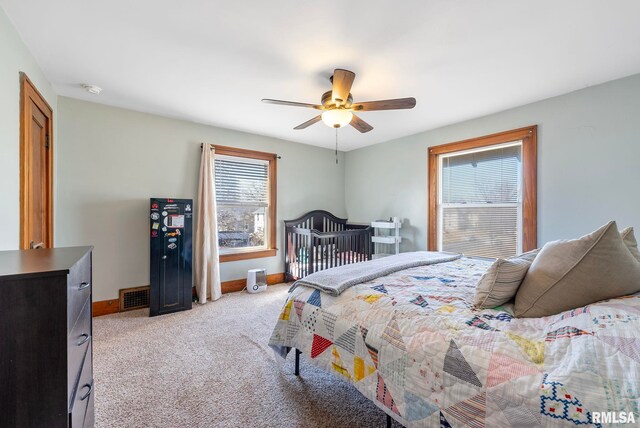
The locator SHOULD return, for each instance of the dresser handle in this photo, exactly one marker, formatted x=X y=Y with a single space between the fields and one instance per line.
x=85 y=339
x=84 y=285
x=90 y=386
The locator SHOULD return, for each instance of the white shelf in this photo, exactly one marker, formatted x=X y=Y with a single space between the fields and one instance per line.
x=386 y=239
x=384 y=224
x=386 y=232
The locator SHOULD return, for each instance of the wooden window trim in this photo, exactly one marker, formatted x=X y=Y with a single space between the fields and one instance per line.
x=271 y=228
x=246 y=255
x=528 y=135
x=28 y=92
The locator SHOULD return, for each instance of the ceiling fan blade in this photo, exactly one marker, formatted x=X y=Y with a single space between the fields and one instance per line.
x=342 y=81
x=309 y=122
x=396 y=104
x=360 y=124
x=292 y=103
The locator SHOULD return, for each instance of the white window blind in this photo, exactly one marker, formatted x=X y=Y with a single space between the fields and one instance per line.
x=480 y=201
x=242 y=197
x=242 y=181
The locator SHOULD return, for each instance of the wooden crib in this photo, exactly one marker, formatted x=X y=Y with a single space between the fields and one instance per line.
x=319 y=240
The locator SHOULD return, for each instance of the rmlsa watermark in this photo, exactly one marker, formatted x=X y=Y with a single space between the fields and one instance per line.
x=613 y=418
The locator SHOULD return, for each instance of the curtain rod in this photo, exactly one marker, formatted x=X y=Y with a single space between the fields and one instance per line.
x=202 y=145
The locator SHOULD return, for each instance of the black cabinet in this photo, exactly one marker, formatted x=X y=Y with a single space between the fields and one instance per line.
x=46 y=360
x=170 y=236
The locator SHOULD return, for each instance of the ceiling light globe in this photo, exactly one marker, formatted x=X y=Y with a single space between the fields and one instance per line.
x=337 y=118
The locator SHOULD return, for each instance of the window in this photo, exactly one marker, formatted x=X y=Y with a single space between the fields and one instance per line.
x=246 y=207
x=482 y=195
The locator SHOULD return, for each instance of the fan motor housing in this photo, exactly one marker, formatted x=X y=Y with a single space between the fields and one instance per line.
x=327 y=102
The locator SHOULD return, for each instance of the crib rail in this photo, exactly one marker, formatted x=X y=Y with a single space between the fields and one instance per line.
x=308 y=249
x=337 y=249
x=322 y=221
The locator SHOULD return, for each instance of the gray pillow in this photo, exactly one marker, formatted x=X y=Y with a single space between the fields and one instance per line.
x=630 y=241
x=500 y=282
x=569 y=274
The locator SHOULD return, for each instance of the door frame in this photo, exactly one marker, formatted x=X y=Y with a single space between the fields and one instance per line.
x=28 y=92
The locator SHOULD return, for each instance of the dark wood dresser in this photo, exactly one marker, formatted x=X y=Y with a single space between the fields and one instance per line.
x=46 y=360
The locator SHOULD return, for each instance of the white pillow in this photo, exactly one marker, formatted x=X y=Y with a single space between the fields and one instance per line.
x=500 y=282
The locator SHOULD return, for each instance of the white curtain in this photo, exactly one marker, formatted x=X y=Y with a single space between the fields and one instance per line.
x=207 y=266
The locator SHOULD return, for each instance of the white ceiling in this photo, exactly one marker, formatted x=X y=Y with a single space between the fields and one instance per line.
x=212 y=61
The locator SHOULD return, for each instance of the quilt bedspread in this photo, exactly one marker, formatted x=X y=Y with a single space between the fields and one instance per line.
x=413 y=344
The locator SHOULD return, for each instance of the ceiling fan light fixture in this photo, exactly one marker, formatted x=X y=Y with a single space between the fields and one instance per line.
x=337 y=105
x=337 y=118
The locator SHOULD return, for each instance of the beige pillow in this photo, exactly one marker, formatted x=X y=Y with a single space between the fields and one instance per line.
x=569 y=274
x=630 y=241
x=500 y=282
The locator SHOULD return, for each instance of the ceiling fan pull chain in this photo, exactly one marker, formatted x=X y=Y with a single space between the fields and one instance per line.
x=336 y=146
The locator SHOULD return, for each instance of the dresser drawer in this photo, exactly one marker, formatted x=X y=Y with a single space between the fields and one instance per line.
x=78 y=288
x=77 y=343
x=83 y=399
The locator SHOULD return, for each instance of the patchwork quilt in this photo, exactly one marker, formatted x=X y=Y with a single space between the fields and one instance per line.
x=413 y=344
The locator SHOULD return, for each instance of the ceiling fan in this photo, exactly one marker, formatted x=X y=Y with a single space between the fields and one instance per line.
x=338 y=108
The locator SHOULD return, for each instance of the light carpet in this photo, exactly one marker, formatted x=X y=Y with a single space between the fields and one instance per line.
x=211 y=367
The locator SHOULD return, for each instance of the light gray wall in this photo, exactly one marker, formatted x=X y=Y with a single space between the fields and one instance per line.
x=14 y=58
x=112 y=160
x=588 y=164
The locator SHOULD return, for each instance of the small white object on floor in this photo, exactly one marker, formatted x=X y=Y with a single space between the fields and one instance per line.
x=256 y=280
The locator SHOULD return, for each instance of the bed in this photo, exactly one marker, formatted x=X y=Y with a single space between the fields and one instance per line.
x=411 y=342
x=319 y=240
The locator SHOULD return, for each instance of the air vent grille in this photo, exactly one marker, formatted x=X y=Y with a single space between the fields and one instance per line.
x=134 y=298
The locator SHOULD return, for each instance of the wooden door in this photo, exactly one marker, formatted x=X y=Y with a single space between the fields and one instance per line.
x=36 y=168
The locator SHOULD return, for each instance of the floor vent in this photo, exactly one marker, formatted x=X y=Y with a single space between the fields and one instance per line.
x=134 y=298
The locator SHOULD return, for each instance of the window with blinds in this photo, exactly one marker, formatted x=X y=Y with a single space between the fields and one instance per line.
x=242 y=197
x=480 y=201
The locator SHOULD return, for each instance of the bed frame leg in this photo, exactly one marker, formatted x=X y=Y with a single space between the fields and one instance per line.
x=388 y=421
x=297 y=369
